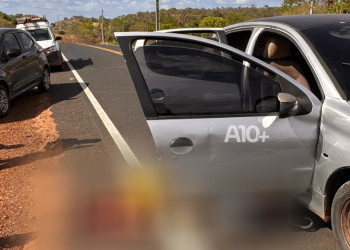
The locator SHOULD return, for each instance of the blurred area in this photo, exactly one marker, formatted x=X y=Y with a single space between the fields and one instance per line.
x=96 y=207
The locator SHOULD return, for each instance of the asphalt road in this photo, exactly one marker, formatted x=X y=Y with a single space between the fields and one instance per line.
x=83 y=133
x=107 y=77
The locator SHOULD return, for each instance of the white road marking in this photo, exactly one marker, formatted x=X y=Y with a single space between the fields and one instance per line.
x=123 y=146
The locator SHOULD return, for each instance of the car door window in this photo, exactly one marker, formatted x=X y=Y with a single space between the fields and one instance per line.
x=184 y=79
x=10 y=42
x=239 y=39
x=26 y=41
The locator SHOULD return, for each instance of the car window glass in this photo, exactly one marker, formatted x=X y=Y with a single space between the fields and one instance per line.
x=293 y=62
x=184 y=78
x=40 y=34
x=26 y=41
x=332 y=42
x=239 y=39
x=10 y=42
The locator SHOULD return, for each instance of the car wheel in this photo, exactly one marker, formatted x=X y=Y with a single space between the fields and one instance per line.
x=4 y=101
x=341 y=216
x=45 y=84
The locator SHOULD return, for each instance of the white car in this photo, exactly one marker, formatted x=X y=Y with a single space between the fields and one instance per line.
x=44 y=35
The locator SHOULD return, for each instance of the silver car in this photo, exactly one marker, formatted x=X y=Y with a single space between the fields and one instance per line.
x=270 y=96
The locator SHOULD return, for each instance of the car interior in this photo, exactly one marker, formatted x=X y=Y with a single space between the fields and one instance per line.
x=279 y=52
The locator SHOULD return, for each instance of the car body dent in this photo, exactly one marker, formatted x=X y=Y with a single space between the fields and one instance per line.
x=333 y=152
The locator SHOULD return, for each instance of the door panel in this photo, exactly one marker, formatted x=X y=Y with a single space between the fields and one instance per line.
x=193 y=95
x=31 y=68
x=13 y=66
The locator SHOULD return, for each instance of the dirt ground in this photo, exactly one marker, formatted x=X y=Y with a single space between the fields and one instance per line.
x=27 y=135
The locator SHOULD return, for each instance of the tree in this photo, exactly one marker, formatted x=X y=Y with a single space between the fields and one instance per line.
x=236 y=18
x=340 y=6
x=211 y=21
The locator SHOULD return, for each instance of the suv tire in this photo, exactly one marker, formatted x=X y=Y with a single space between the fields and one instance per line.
x=341 y=216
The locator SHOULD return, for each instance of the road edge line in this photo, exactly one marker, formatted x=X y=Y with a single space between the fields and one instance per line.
x=118 y=139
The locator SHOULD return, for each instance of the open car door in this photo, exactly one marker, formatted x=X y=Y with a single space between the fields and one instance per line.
x=191 y=93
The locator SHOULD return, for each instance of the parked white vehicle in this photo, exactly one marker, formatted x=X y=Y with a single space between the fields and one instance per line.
x=43 y=33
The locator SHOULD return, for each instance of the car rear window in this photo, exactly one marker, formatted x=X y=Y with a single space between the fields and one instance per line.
x=40 y=34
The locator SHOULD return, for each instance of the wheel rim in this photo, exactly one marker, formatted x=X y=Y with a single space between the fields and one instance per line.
x=345 y=222
x=46 y=80
x=4 y=102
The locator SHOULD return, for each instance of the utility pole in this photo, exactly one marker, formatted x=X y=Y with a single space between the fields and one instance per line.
x=157 y=15
x=102 y=29
x=311 y=7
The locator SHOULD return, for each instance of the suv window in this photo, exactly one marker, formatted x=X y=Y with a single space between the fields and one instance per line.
x=183 y=79
x=26 y=41
x=10 y=42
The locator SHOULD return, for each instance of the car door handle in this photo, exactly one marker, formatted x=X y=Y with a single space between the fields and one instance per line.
x=24 y=56
x=181 y=145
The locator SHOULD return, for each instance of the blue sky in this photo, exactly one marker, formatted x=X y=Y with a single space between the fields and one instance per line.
x=58 y=9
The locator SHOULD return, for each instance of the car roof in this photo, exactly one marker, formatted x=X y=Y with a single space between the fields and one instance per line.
x=302 y=22
x=5 y=30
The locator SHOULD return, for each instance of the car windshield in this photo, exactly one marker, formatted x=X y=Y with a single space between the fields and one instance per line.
x=40 y=34
x=332 y=42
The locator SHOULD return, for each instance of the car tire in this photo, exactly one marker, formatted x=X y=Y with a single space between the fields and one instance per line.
x=341 y=216
x=4 y=101
x=45 y=83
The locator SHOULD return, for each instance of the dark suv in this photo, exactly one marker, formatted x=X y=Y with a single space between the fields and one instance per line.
x=23 y=66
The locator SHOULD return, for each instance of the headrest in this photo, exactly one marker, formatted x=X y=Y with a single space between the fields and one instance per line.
x=277 y=48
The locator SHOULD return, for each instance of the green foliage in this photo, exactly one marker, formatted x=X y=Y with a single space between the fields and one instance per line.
x=212 y=21
x=89 y=29
x=236 y=18
x=6 y=21
x=340 y=6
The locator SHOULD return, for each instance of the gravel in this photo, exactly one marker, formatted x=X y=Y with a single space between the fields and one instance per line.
x=26 y=137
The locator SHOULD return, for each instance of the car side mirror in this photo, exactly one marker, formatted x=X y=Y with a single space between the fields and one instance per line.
x=13 y=52
x=289 y=105
x=58 y=38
